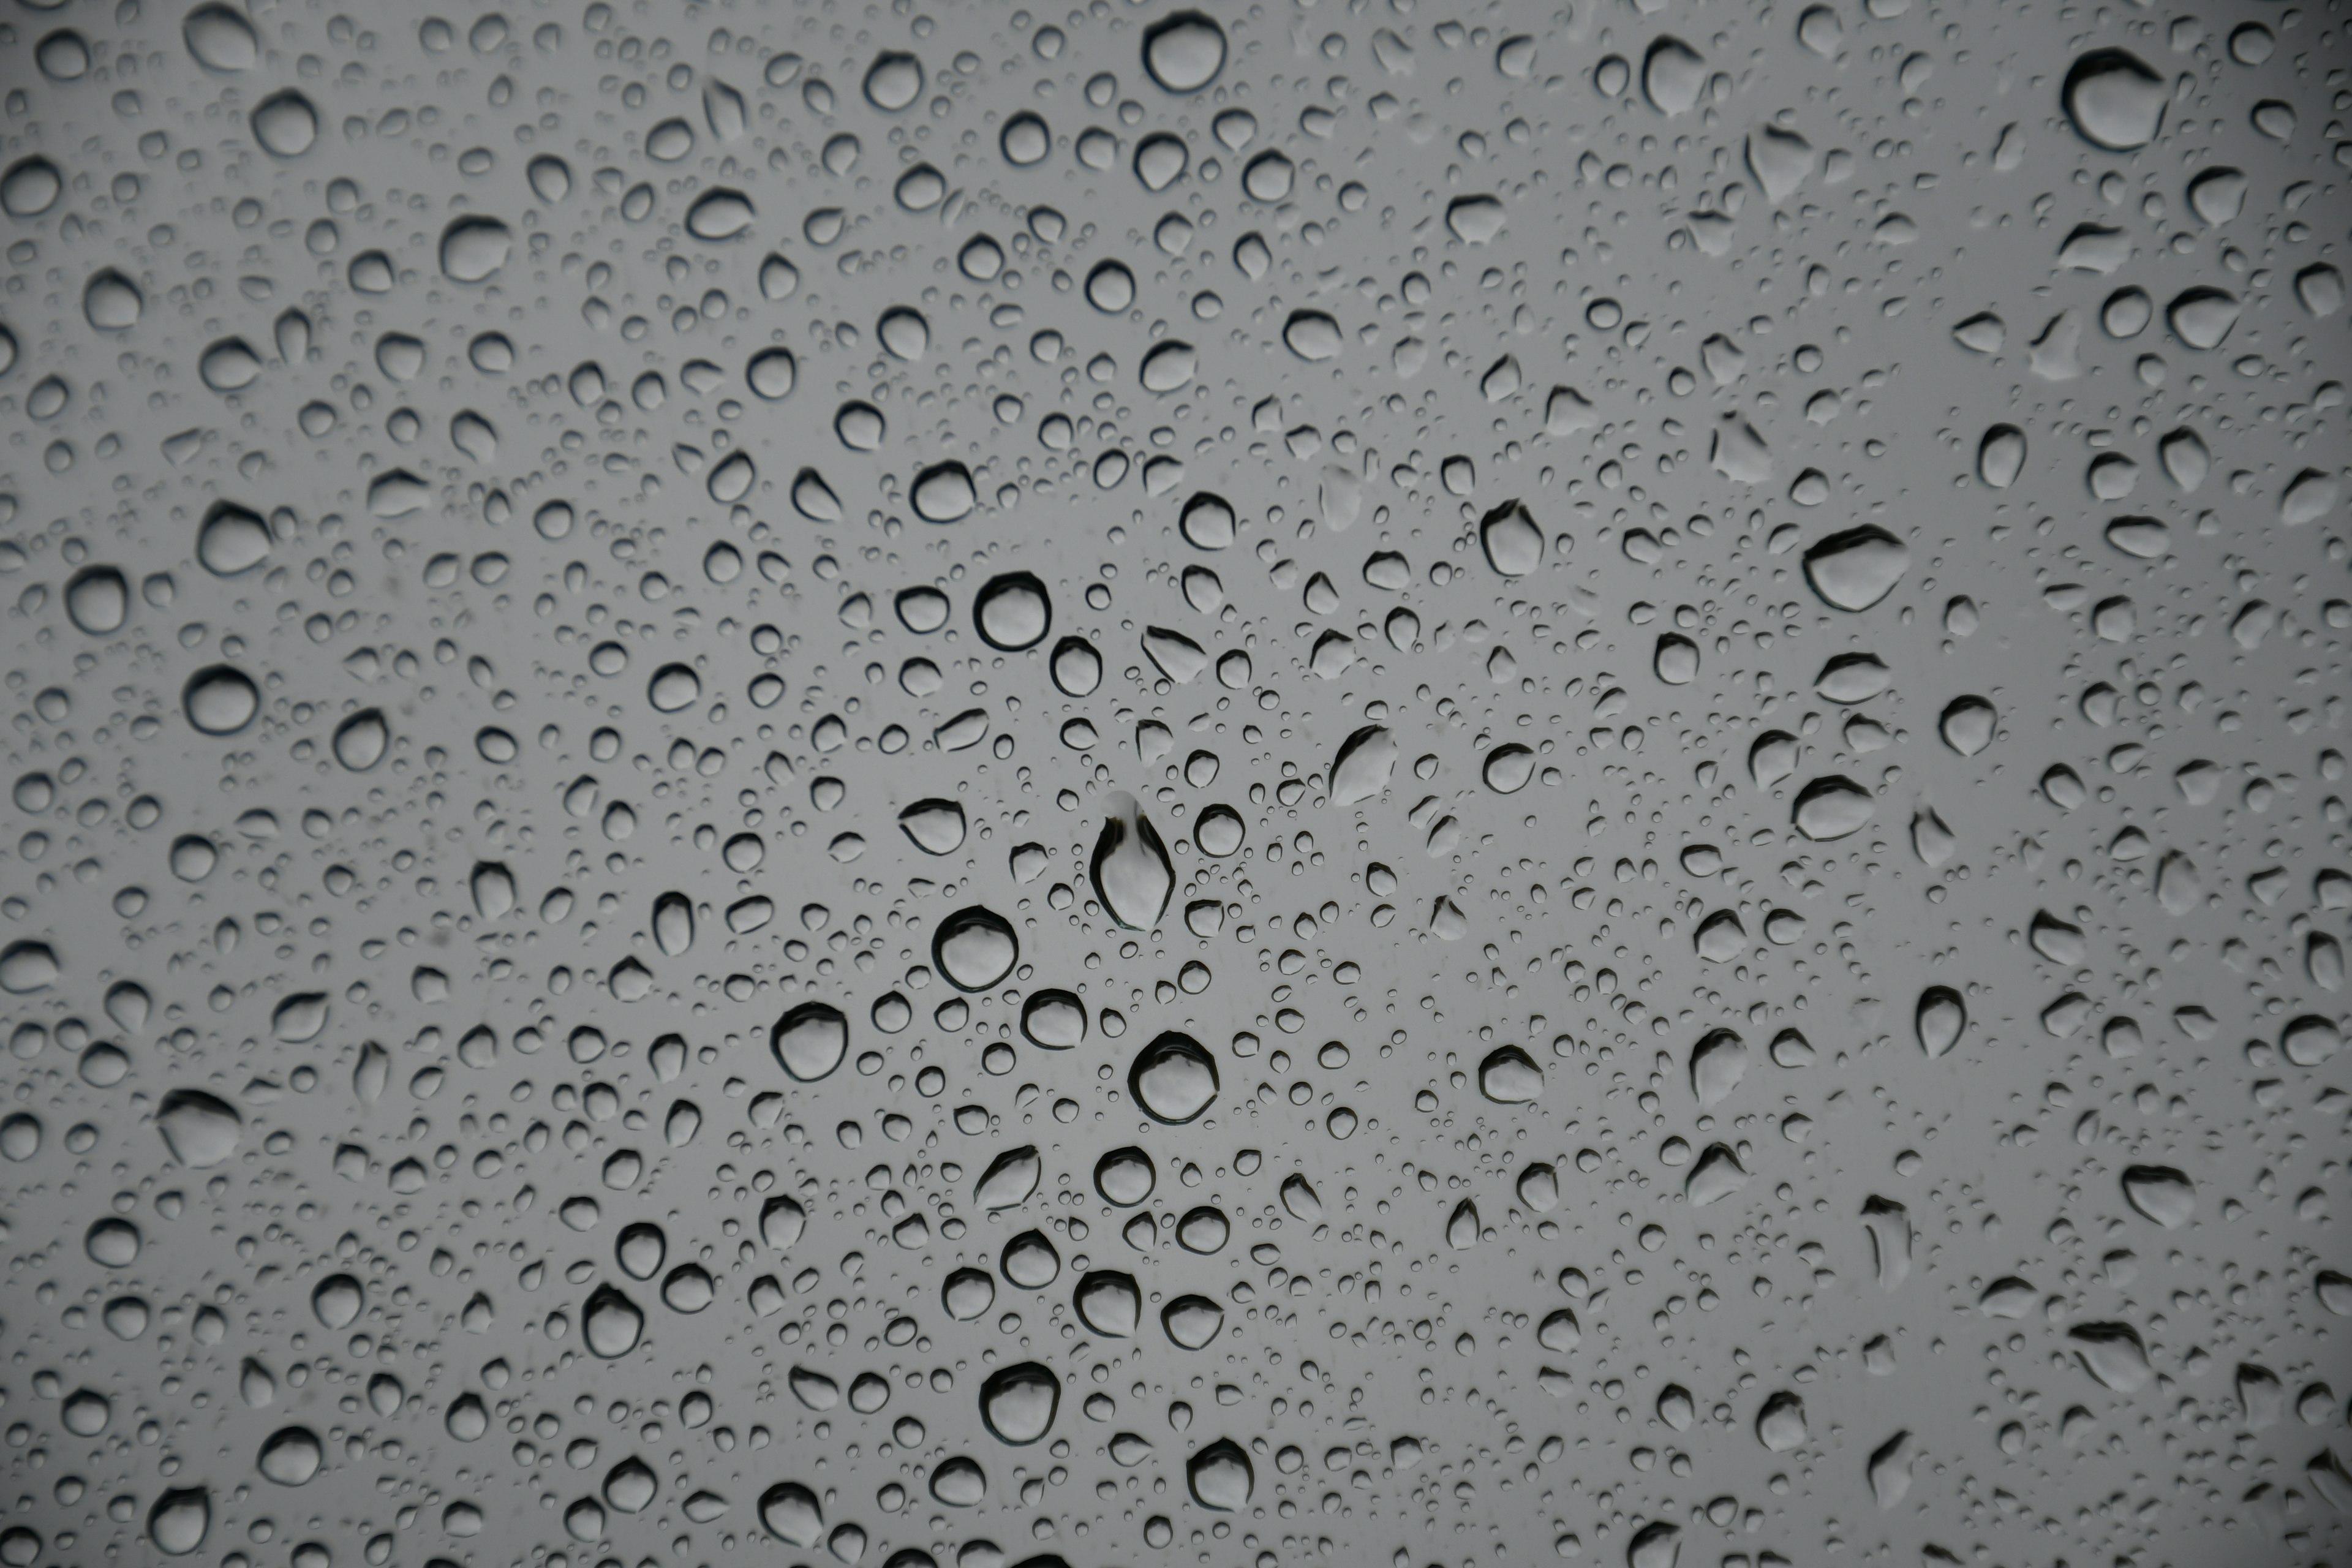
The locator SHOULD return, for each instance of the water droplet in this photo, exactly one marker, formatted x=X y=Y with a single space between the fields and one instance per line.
x=291 y=1456
x=1220 y=1477
x=285 y=125
x=1132 y=874
x=1012 y=612
x=975 y=948
x=2114 y=101
x=1183 y=52
x=810 y=1040
x=1173 y=1079
x=200 y=1129
x=1019 y=1401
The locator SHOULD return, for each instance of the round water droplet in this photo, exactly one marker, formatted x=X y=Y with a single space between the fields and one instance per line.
x=2161 y=1193
x=1168 y=367
x=1508 y=767
x=1855 y=569
x=1673 y=76
x=688 y=1289
x=1203 y=1230
x=943 y=493
x=922 y=610
x=1077 y=668
x=1512 y=544
x=810 y=1040
x=1509 y=1076
x=1184 y=52
x=1133 y=876
x=97 y=600
x=111 y=303
x=1125 y=1177
x=2114 y=101
x=1012 y=612
x=771 y=373
x=1053 y=1020
x=611 y=1323
x=1208 y=522
x=474 y=248
x=180 y=1520
x=1939 y=1019
x=934 y=826
x=1027 y=140
x=285 y=125
x=219 y=38
x=1830 y=808
x=1967 y=725
x=894 y=81
x=1019 y=1401
x=1108 y=1302
x=291 y=1456
x=959 y=1482
x=220 y=700
x=720 y=215
x=673 y=687
x=199 y=1129
x=1173 y=1079
x=1192 y=1322
x=1219 y=831
x=1220 y=1477
x=1313 y=336
x=30 y=187
x=361 y=739
x=975 y=948
x=793 y=1514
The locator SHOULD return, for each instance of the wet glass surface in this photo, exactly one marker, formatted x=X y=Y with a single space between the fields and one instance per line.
x=1352 y=784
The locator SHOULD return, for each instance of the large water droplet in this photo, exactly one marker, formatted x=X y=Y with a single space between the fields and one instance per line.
x=474 y=248
x=2161 y=1193
x=1110 y=1302
x=1220 y=1477
x=1173 y=1079
x=1010 y=1178
x=720 y=215
x=1939 y=1018
x=1362 y=767
x=1512 y=544
x=1184 y=52
x=1019 y=1401
x=943 y=493
x=231 y=539
x=1192 y=1322
x=180 y=1520
x=219 y=38
x=1673 y=76
x=200 y=1129
x=1830 y=808
x=791 y=1513
x=291 y=1455
x=1855 y=569
x=285 y=125
x=97 y=600
x=1132 y=874
x=1012 y=612
x=2113 y=100
x=1509 y=1076
x=361 y=739
x=220 y=700
x=975 y=948
x=810 y=1040
x=113 y=302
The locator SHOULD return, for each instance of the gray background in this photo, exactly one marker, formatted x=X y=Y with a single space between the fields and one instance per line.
x=460 y=540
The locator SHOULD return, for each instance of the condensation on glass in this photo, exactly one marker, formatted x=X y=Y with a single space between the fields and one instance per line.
x=1276 y=784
